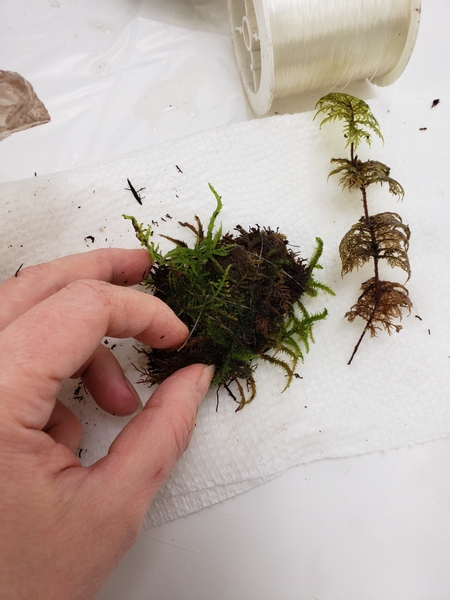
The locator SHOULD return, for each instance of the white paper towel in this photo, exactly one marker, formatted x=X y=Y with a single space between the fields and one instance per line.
x=271 y=172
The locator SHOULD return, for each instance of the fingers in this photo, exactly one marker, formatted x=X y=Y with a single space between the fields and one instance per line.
x=144 y=453
x=52 y=340
x=34 y=284
x=104 y=378
x=64 y=427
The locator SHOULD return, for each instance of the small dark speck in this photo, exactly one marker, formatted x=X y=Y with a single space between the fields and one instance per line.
x=17 y=272
x=79 y=207
x=297 y=376
x=423 y=128
x=35 y=174
x=106 y=342
x=125 y=282
x=79 y=452
x=89 y=237
x=113 y=346
x=162 y=337
x=435 y=103
x=417 y=317
x=429 y=332
x=178 y=169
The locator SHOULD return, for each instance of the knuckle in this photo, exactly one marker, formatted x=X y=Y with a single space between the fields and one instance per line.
x=182 y=432
x=91 y=290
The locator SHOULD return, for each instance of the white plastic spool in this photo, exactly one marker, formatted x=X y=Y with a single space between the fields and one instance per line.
x=286 y=47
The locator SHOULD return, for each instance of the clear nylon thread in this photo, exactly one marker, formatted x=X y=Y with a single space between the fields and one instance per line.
x=286 y=47
x=318 y=43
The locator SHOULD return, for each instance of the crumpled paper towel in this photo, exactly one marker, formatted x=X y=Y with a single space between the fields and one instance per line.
x=272 y=172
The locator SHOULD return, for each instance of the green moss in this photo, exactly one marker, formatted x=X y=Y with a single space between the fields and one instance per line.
x=241 y=295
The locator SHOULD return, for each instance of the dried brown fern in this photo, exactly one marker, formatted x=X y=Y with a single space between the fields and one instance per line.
x=379 y=303
x=373 y=238
x=384 y=236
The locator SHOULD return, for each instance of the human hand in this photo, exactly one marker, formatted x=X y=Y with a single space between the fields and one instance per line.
x=65 y=527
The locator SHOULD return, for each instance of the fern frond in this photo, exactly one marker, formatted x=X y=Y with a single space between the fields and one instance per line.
x=358 y=174
x=380 y=304
x=358 y=119
x=385 y=237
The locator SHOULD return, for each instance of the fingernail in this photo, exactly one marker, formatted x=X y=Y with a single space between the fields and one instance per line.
x=134 y=393
x=204 y=381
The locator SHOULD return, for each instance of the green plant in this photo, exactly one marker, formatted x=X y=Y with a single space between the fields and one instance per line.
x=240 y=296
x=374 y=237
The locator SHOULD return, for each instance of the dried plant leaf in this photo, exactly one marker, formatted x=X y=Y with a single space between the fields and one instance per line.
x=20 y=108
x=358 y=174
x=379 y=305
x=356 y=114
x=385 y=237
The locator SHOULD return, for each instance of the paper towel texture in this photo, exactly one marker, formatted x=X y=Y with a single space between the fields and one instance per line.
x=271 y=172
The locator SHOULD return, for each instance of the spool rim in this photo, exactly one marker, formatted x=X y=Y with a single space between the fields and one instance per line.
x=259 y=96
x=392 y=75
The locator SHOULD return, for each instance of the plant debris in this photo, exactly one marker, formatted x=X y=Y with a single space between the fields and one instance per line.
x=20 y=106
x=137 y=196
x=17 y=271
x=240 y=294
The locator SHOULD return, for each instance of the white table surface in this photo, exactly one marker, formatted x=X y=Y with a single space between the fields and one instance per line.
x=120 y=75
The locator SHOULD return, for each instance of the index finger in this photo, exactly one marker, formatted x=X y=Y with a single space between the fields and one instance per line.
x=52 y=340
x=36 y=283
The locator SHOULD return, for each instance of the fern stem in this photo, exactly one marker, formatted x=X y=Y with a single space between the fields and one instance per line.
x=358 y=343
x=376 y=272
x=373 y=240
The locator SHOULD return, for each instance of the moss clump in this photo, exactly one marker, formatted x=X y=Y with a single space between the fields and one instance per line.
x=240 y=294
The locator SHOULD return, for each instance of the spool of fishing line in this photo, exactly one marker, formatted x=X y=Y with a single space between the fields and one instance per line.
x=286 y=47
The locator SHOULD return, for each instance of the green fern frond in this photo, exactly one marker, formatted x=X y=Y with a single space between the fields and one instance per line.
x=358 y=119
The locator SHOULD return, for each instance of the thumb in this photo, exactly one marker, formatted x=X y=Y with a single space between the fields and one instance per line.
x=144 y=453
